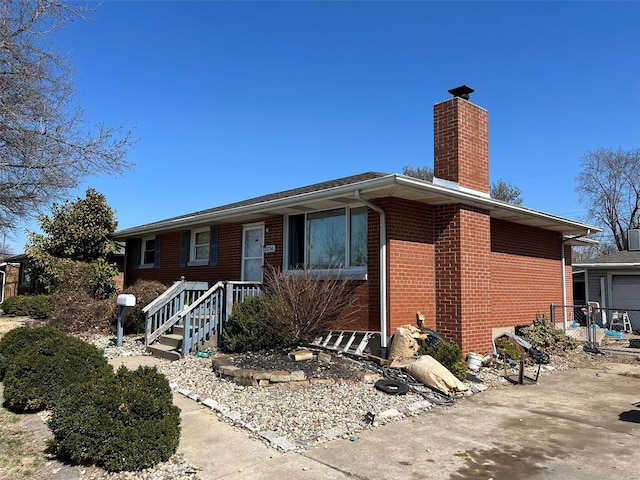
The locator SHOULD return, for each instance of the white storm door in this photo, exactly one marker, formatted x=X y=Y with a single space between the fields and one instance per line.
x=252 y=253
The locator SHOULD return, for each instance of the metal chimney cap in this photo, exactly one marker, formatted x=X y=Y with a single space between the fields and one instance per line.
x=462 y=91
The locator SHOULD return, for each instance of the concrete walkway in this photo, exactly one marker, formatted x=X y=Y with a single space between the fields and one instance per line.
x=575 y=424
x=220 y=451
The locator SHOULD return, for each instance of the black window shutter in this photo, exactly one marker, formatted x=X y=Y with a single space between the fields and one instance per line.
x=136 y=246
x=156 y=262
x=213 y=246
x=184 y=248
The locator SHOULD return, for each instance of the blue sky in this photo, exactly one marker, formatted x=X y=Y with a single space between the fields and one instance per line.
x=232 y=100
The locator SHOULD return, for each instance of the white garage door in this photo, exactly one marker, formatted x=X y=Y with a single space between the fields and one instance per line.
x=625 y=290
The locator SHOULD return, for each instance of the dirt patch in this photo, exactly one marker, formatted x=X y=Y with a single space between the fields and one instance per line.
x=339 y=368
x=9 y=323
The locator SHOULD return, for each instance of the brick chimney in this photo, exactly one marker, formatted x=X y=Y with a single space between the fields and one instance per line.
x=461 y=142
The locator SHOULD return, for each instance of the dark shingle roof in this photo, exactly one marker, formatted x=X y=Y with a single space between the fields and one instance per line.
x=625 y=256
x=316 y=187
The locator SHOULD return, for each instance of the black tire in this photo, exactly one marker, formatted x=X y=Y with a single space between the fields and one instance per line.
x=392 y=387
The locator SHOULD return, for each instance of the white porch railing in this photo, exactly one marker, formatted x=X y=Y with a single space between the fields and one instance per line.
x=199 y=309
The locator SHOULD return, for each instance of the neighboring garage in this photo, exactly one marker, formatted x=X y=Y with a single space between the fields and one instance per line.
x=625 y=295
x=613 y=281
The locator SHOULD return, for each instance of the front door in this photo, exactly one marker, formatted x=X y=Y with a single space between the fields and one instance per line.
x=252 y=253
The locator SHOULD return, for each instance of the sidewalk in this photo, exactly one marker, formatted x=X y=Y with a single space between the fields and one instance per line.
x=220 y=451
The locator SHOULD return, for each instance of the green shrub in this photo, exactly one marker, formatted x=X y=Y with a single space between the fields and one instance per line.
x=102 y=284
x=508 y=348
x=123 y=422
x=145 y=292
x=34 y=306
x=14 y=341
x=39 y=374
x=544 y=334
x=449 y=354
x=250 y=329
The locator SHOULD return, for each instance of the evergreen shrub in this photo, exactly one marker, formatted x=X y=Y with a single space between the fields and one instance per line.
x=126 y=421
x=39 y=374
x=544 y=334
x=14 y=341
x=34 y=306
x=449 y=354
x=250 y=328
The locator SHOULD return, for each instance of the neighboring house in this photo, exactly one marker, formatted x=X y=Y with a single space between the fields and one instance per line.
x=15 y=278
x=613 y=281
x=470 y=264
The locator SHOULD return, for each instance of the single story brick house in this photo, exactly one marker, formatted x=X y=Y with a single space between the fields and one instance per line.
x=470 y=264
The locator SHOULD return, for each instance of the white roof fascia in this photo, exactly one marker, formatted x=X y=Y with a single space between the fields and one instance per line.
x=492 y=204
x=607 y=265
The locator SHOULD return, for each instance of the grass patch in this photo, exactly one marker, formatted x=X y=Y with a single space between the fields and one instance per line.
x=21 y=454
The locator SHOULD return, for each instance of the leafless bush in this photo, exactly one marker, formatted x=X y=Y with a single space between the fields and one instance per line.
x=145 y=292
x=305 y=303
x=75 y=309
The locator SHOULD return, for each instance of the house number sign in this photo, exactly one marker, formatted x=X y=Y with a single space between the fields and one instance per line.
x=269 y=248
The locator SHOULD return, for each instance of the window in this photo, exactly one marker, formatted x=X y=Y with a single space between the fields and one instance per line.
x=328 y=239
x=148 y=251
x=200 y=242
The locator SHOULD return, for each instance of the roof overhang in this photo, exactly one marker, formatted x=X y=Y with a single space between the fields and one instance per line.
x=609 y=266
x=395 y=185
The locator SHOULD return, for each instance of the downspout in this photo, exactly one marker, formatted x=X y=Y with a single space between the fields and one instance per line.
x=564 y=290
x=383 y=272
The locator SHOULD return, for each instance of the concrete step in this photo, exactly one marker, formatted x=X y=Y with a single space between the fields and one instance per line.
x=171 y=339
x=163 y=351
x=178 y=330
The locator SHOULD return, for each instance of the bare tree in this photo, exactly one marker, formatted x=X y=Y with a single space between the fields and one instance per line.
x=46 y=147
x=500 y=190
x=423 y=173
x=609 y=186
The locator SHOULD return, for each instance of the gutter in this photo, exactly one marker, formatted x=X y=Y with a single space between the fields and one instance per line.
x=383 y=272
x=608 y=265
x=390 y=181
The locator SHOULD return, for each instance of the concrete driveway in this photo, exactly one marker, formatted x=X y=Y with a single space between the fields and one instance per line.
x=574 y=424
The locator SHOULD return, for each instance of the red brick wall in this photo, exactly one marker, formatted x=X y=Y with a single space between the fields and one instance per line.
x=526 y=272
x=461 y=143
x=229 y=257
x=409 y=262
x=462 y=247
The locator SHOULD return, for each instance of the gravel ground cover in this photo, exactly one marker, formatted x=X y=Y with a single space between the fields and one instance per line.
x=303 y=415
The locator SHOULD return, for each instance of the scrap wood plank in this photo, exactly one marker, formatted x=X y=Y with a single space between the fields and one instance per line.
x=378 y=360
